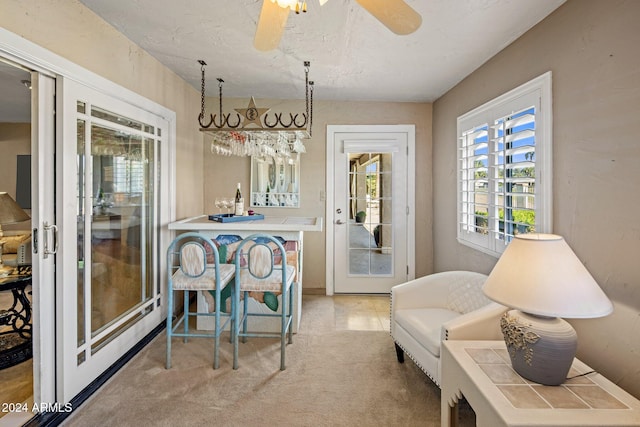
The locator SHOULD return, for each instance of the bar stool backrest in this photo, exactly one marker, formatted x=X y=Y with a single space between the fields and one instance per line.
x=193 y=259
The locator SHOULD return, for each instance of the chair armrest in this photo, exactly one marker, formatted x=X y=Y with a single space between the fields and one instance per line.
x=480 y=324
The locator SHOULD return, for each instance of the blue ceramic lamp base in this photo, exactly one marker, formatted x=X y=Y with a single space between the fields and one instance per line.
x=541 y=348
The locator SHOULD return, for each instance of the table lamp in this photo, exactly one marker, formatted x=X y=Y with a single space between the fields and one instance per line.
x=10 y=213
x=542 y=279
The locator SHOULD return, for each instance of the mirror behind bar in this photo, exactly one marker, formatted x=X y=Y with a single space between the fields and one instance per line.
x=275 y=182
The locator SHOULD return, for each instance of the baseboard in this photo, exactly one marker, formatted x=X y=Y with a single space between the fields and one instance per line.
x=314 y=291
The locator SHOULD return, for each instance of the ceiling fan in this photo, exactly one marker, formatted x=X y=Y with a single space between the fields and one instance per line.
x=396 y=15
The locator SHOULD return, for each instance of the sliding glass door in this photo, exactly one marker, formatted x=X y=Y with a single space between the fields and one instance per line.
x=109 y=204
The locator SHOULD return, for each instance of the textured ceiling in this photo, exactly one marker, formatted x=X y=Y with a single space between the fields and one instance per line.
x=353 y=56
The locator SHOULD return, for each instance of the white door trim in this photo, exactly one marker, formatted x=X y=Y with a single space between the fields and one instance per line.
x=330 y=208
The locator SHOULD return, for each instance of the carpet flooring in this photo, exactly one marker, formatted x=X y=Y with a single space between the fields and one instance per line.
x=335 y=376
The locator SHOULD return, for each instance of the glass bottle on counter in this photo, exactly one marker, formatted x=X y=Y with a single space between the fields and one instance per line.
x=239 y=202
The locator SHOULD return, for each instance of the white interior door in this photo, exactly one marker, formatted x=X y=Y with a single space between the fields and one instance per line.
x=108 y=206
x=370 y=213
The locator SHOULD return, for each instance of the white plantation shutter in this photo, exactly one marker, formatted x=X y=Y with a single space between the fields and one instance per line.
x=474 y=183
x=514 y=152
x=504 y=167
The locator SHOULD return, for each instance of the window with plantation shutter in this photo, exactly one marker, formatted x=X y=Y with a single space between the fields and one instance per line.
x=504 y=167
x=129 y=175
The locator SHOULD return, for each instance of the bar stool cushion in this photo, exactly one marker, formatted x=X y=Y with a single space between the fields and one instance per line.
x=261 y=276
x=207 y=281
x=271 y=282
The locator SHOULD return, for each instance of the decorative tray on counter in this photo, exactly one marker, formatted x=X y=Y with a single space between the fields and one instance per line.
x=234 y=218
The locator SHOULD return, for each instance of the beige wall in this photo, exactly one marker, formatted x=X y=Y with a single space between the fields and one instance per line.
x=591 y=47
x=222 y=173
x=15 y=139
x=72 y=31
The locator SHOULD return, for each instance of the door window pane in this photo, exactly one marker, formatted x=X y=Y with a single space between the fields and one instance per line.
x=370 y=245
x=120 y=215
x=120 y=190
x=81 y=165
x=121 y=120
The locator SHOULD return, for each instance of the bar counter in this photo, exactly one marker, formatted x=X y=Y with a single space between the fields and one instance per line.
x=268 y=224
x=289 y=228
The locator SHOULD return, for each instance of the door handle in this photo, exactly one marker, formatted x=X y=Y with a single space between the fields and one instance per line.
x=34 y=235
x=54 y=230
x=339 y=222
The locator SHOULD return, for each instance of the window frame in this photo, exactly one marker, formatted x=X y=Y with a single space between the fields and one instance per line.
x=536 y=93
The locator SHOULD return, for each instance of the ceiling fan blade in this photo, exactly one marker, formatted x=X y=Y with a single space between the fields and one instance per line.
x=396 y=15
x=271 y=24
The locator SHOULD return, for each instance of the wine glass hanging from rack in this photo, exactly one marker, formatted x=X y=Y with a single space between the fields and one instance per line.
x=254 y=131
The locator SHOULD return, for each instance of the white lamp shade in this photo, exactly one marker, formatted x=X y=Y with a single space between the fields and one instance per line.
x=540 y=274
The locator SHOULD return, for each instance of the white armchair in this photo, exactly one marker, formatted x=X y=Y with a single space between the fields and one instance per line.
x=441 y=306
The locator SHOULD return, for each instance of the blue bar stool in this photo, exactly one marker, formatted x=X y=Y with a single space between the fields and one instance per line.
x=261 y=266
x=189 y=271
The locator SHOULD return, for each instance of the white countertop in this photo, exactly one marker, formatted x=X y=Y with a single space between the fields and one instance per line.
x=269 y=223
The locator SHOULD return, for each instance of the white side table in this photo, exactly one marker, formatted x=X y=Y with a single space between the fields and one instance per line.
x=481 y=372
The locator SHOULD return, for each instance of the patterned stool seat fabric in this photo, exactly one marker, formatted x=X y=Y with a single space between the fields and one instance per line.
x=206 y=281
x=272 y=282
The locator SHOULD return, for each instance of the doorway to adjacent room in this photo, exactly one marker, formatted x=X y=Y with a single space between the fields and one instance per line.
x=370 y=205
